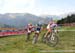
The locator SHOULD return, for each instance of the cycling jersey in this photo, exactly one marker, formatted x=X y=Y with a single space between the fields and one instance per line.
x=29 y=29
x=51 y=26
x=38 y=27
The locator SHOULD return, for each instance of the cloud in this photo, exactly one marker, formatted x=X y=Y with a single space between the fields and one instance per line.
x=1 y=4
x=32 y=6
x=17 y=6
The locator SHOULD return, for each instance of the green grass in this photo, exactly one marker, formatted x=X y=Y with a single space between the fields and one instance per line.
x=67 y=28
x=17 y=44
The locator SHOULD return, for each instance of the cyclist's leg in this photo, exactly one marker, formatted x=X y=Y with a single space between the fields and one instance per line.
x=46 y=34
x=37 y=33
x=48 y=31
x=35 y=38
x=28 y=35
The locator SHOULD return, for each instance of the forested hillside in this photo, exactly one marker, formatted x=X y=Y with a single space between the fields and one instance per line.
x=68 y=19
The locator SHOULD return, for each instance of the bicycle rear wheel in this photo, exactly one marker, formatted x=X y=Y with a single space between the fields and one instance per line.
x=44 y=39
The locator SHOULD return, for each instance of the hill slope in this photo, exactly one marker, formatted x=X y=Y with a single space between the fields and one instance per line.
x=17 y=44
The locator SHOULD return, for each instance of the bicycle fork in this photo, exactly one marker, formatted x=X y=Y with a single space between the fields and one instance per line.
x=52 y=36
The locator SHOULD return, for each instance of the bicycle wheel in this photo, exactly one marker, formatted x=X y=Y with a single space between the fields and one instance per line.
x=53 y=41
x=34 y=39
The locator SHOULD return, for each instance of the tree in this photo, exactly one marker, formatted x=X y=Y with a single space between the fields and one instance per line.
x=68 y=19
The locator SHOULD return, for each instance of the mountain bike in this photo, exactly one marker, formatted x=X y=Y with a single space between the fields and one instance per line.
x=35 y=37
x=52 y=38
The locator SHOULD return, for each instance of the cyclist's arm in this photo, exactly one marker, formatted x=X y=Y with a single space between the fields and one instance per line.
x=56 y=28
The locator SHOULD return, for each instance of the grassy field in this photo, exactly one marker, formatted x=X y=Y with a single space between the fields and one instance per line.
x=67 y=28
x=17 y=44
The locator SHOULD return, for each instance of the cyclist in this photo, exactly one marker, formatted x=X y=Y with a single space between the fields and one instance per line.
x=37 y=31
x=50 y=27
x=29 y=31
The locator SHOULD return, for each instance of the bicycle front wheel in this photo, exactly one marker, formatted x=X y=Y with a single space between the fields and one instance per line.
x=35 y=38
x=53 y=41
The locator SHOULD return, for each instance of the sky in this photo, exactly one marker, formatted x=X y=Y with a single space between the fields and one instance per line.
x=37 y=7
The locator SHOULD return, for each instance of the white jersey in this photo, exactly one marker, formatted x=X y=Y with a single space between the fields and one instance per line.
x=51 y=26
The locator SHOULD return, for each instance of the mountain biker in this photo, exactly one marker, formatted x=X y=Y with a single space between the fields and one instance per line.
x=29 y=30
x=50 y=27
x=38 y=28
x=37 y=31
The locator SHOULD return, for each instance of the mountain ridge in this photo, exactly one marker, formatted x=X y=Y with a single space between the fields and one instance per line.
x=21 y=19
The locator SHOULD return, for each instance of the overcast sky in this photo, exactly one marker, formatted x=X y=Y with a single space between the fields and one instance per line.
x=37 y=7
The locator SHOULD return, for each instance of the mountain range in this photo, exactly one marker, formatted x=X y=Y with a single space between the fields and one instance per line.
x=22 y=19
